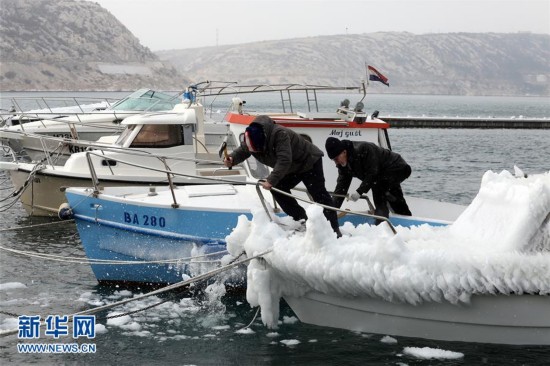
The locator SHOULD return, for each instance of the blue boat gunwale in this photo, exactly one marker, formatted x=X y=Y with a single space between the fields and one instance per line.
x=152 y=232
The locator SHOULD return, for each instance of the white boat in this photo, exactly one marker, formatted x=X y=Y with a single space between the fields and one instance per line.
x=57 y=132
x=502 y=319
x=484 y=278
x=150 y=144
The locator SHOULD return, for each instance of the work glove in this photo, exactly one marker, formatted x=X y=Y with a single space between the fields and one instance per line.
x=354 y=196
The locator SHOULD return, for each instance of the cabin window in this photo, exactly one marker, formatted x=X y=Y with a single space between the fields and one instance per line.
x=158 y=136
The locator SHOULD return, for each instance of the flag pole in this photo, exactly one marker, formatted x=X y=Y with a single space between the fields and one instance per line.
x=365 y=84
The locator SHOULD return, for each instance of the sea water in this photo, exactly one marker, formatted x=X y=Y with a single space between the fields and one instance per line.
x=208 y=326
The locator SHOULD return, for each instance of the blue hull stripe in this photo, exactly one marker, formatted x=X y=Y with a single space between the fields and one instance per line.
x=152 y=232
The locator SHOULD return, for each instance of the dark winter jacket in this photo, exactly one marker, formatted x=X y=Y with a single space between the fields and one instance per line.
x=285 y=151
x=370 y=163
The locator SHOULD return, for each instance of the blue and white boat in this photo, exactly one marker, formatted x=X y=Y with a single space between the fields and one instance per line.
x=168 y=233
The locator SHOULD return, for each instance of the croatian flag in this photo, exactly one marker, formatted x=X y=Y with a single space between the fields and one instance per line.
x=374 y=75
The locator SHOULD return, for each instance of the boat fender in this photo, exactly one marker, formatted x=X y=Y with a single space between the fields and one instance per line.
x=65 y=212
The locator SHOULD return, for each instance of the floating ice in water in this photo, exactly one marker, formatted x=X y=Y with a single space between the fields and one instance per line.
x=388 y=340
x=290 y=342
x=290 y=319
x=11 y=286
x=428 y=353
x=162 y=321
x=9 y=323
x=100 y=328
x=116 y=319
x=245 y=331
x=221 y=327
x=500 y=244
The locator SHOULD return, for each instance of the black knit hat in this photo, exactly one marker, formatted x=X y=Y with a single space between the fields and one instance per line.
x=255 y=137
x=334 y=147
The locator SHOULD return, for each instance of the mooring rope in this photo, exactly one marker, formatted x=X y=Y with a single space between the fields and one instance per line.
x=201 y=277
x=35 y=225
x=18 y=192
x=171 y=287
x=86 y=260
x=253 y=319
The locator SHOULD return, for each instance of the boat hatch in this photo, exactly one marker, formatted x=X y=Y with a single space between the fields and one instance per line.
x=209 y=190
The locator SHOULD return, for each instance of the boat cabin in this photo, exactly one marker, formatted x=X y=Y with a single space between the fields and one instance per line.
x=316 y=127
x=155 y=142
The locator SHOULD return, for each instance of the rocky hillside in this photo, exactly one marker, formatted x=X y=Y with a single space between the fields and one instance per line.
x=78 y=45
x=455 y=63
x=74 y=45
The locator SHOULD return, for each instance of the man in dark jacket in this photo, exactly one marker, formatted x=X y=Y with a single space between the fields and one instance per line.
x=293 y=159
x=378 y=169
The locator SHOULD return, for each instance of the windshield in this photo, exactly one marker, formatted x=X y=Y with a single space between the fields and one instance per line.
x=146 y=100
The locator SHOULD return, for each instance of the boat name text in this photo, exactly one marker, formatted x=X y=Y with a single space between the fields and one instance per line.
x=342 y=133
x=146 y=220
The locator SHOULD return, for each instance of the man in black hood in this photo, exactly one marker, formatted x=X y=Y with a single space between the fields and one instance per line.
x=293 y=159
x=378 y=169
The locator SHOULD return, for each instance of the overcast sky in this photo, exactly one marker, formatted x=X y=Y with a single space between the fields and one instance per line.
x=177 y=24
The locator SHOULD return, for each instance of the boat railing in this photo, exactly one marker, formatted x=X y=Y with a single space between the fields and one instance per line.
x=28 y=109
x=286 y=92
x=42 y=118
x=95 y=179
x=8 y=150
x=47 y=145
x=19 y=105
x=262 y=199
x=49 y=149
x=100 y=151
x=211 y=173
x=169 y=173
